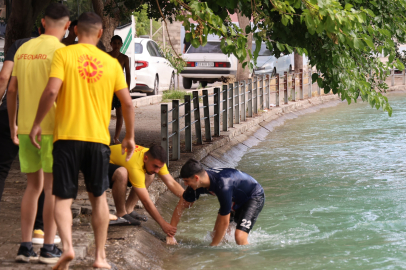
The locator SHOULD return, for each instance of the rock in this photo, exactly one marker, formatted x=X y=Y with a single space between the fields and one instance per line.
x=86 y=210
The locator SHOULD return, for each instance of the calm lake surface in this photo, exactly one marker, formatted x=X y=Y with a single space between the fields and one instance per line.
x=335 y=186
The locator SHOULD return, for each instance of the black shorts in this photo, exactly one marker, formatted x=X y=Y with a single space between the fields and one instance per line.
x=112 y=170
x=247 y=214
x=116 y=103
x=70 y=157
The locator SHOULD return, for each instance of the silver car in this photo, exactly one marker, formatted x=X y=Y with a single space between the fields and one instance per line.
x=269 y=64
x=207 y=64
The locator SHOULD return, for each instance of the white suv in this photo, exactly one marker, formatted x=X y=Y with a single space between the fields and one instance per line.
x=154 y=72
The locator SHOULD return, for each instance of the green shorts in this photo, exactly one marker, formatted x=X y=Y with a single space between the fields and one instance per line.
x=33 y=159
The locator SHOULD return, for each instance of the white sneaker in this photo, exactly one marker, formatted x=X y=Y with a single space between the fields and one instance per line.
x=39 y=238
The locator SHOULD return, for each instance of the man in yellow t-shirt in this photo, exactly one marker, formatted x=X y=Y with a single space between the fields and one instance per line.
x=32 y=64
x=139 y=172
x=83 y=78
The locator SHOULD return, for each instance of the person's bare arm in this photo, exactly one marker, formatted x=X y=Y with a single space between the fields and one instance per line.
x=46 y=102
x=12 y=109
x=127 y=71
x=220 y=229
x=5 y=75
x=177 y=214
x=151 y=209
x=128 y=115
x=172 y=185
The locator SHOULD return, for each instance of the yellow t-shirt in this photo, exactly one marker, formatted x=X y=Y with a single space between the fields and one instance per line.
x=32 y=64
x=90 y=78
x=135 y=166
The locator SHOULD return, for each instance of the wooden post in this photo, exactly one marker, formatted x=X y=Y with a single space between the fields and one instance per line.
x=196 y=109
x=188 y=124
x=285 y=87
x=225 y=107
x=277 y=90
x=175 y=130
x=206 y=110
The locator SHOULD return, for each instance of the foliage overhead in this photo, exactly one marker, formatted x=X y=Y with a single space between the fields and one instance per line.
x=342 y=38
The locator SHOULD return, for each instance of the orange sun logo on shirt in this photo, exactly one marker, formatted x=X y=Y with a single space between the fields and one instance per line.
x=90 y=68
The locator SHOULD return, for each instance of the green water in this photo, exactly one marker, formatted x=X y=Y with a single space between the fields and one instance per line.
x=335 y=184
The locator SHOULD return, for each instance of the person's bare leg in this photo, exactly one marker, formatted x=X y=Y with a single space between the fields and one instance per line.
x=35 y=184
x=133 y=198
x=241 y=237
x=100 y=224
x=49 y=210
x=119 y=190
x=119 y=124
x=63 y=218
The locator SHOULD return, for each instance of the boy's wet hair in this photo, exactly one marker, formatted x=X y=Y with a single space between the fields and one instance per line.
x=191 y=168
x=56 y=11
x=157 y=152
x=116 y=37
x=89 y=22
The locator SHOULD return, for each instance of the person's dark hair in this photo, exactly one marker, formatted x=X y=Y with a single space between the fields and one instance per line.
x=157 y=152
x=88 y=22
x=41 y=28
x=116 y=37
x=56 y=11
x=73 y=23
x=191 y=167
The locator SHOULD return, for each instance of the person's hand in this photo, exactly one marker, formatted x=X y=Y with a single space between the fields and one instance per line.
x=171 y=241
x=13 y=133
x=169 y=229
x=128 y=145
x=36 y=134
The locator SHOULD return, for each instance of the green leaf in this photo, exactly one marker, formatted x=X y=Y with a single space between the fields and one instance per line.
x=315 y=76
x=400 y=65
x=280 y=46
x=195 y=43
x=348 y=7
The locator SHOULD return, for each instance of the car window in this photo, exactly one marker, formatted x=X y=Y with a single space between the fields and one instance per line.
x=211 y=47
x=263 y=51
x=151 y=49
x=157 y=49
x=138 y=48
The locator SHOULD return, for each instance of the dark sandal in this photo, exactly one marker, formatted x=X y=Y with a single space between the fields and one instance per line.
x=138 y=216
x=132 y=220
x=119 y=222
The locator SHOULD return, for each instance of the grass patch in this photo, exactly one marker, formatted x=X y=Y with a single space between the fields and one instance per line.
x=174 y=94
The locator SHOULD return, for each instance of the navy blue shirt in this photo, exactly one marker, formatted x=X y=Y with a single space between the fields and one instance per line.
x=10 y=57
x=229 y=185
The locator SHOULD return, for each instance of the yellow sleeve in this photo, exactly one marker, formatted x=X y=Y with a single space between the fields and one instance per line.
x=137 y=177
x=57 y=67
x=163 y=170
x=120 y=79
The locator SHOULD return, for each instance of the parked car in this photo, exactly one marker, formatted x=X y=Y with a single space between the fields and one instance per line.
x=269 y=64
x=207 y=64
x=154 y=72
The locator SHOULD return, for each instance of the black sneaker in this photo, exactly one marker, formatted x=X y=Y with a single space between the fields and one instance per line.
x=50 y=257
x=26 y=255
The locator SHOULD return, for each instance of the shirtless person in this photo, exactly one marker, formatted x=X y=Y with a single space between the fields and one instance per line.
x=116 y=43
x=240 y=196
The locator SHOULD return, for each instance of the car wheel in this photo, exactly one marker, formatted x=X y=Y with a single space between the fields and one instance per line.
x=172 y=83
x=187 y=83
x=156 y=87
x=290 y=68
x=203 y=83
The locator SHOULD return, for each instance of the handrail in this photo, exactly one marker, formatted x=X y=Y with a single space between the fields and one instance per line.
x=233 y=104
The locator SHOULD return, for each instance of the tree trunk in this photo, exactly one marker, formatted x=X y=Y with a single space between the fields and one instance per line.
x=109 y=23
x=298 y=62
x=22 y=19
x=243 y=73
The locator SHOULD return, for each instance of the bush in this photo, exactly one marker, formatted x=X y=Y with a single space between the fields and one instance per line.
x=174 y=94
